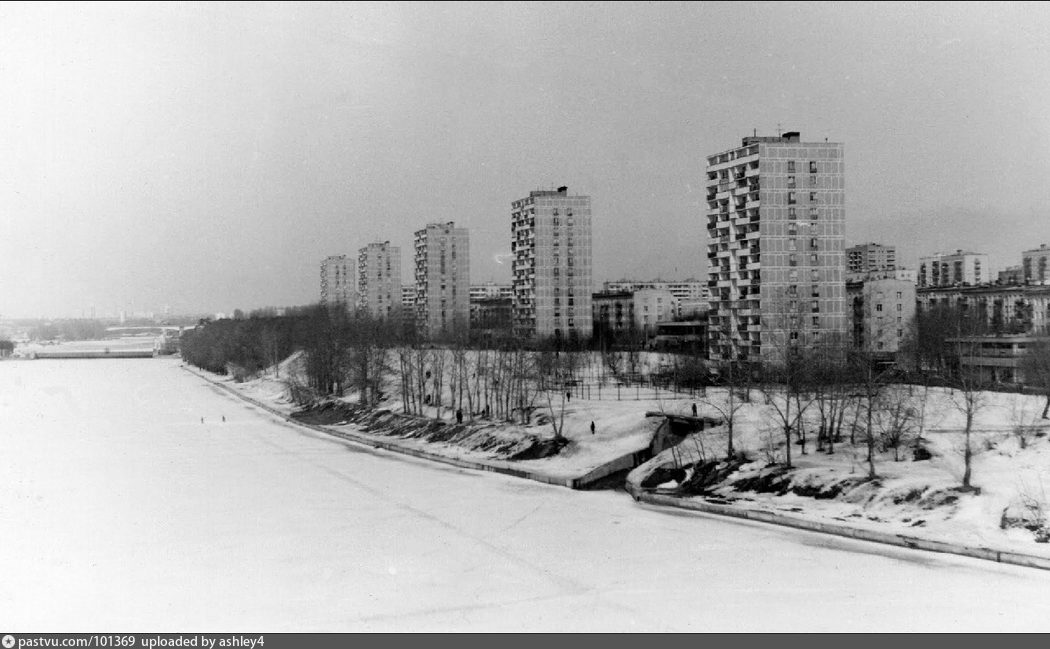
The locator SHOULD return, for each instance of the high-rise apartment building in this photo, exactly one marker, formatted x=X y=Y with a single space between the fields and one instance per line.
x=776 y=247
x=337 y=281
x=379 y=279
x=442 y=280
x=870 y=257
x=1035 y=265
x=551 y=243
x=956 y=268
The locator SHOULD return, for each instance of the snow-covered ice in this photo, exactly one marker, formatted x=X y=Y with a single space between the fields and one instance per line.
x=120 y=510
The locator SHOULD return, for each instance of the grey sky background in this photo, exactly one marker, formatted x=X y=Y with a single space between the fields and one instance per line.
x=208 y=156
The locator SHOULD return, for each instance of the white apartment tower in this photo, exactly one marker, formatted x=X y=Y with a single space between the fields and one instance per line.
x=776 y=247
x=551 y=243
x=442 y=280
x=957 y=268
x=337 y=281
x=379 y=279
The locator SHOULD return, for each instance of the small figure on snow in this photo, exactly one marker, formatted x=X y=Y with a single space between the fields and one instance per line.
x=459 y=415
x=224 y=419
x=568 y=395
x=694 y=409
x=592 y=428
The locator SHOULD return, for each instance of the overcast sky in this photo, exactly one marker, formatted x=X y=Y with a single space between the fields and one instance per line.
x=208 y=156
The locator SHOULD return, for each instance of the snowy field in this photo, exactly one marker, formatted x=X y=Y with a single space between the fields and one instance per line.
x=122 y=511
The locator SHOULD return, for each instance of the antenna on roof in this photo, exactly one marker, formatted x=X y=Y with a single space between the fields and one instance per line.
x=755 y=132
x=778 y=129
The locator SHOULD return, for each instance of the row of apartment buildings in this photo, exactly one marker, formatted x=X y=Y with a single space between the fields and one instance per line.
x=779 y=275
x=550 y=293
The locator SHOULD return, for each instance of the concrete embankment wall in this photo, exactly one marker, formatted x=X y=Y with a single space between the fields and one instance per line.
x=888 y=538
x=624 y=462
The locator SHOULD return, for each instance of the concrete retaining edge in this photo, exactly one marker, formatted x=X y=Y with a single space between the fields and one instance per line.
x=572 y=483
x=888 y=538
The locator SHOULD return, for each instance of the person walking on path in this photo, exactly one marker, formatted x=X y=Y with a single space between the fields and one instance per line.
x=592 y=428
x=459 y=415
x=694 y=409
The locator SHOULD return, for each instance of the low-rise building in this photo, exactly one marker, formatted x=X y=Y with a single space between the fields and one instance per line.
x=1004 y=309
x=629 y=312
x=994 y=359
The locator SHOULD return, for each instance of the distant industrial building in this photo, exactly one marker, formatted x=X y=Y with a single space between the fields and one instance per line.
x=551 y=244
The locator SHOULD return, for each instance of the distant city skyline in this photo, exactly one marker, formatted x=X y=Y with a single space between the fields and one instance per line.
x=207 y=157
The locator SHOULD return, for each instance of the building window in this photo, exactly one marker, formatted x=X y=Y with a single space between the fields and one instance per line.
x=812 y=166
x=791 y=182
x=899 y=307
x=791 y=198
x=793 y=260
x=791 y=166
x=791 y=213
x=878 y=307
x=813 y=213
x=815 y=306
x=813 y=243
x=816 y=321
x=813 y=259
x=813 y=197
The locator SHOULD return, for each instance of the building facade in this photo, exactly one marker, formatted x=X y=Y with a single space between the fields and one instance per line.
x=551 y=244
x=882 y=309
x=1000 y=309
x=994 y=359
x=379 y=280
x=956 y=268
x=776 y=247
x=621 y=313
x=869 y=257
x=338 y=285
x=692 y=295
x=490 y=290
x=1035 y=265
x=442 y=280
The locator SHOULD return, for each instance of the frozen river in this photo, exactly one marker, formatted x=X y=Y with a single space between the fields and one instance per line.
x=120 y=510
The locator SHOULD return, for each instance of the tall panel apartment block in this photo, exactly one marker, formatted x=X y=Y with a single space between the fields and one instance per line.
x=776 y=247
x=338 y=285
x=551 y=243
x=442 y=280
x=379 y=279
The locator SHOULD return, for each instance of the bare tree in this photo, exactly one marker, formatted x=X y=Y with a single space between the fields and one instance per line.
x=1036 y=368
x=969 y=399
x=870 y=381
x=897 y=418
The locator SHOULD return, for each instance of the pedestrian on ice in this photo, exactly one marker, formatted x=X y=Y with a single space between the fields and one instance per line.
x=592 y=428
x=568 y=396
